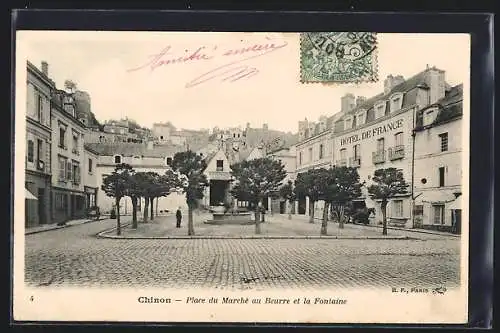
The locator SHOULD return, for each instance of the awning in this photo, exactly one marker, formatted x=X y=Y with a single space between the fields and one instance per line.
x=29 y=195
x=437 y=196
x=457 y=204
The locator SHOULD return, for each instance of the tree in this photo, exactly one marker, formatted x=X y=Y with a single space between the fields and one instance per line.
x=387 y=184
x=287 y=192
x=191 y=166
x=255 y=180
x=161 y=186
x=117 y=185
x=135 y=193
x=309 y=184
x=342 y=186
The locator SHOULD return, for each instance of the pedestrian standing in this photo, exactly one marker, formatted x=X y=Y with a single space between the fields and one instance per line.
x=178 y=216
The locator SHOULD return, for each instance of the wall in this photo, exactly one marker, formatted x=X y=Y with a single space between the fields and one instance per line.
x=366 y=136
x=314 y=143
x=428 y=160
x=160 y=130
x=105 y=167
x=38 y=87
x=71 y=152
x=428 y=156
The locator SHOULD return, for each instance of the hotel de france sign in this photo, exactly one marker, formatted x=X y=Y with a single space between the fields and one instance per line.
x=374 y=132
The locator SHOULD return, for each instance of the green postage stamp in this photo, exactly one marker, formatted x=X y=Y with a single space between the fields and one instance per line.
x=342 y=57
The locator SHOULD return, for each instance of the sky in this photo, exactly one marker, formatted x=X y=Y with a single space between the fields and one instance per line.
x=103 y=63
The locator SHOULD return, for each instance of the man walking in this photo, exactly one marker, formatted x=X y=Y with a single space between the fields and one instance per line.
x=178 y=216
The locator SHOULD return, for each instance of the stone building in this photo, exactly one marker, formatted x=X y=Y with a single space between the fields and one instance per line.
x=68 y=196
x=148 y=157
x=439 y=159
x=38 y=148
x=379 y=133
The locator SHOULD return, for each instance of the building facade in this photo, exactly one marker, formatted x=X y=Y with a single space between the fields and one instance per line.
x=68 y=196
x=438 y=164
x=38 y=148
x=89 y=176
x=218 y=173
x=142 y=158
x=379 y=134
x=287 y=157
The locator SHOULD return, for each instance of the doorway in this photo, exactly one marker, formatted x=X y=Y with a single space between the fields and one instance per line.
x=41 y=206
x=456 y=221
x=218 y=192
x=282 y=207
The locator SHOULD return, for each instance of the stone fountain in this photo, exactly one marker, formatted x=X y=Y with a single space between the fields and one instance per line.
x=223 y=216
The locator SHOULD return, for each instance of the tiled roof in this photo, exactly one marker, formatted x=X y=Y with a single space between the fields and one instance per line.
x=450 y=107
x=133 y=149
x=409 y=98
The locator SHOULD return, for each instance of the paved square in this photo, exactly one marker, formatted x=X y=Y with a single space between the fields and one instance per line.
x=74 y=256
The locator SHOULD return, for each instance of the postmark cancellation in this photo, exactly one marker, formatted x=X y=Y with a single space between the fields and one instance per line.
x=339 y=57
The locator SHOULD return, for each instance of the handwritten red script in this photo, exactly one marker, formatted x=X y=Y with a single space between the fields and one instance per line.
x=231 y=71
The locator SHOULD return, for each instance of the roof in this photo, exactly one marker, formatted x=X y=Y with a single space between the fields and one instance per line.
x=90 y=148
x=450 y=108
x=133 y=149
x=409 y=98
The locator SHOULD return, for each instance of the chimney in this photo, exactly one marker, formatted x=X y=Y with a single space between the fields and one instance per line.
x=435 y=81
x=347 y=102
x=391 y=81
x=45 y=68
x=360 y=100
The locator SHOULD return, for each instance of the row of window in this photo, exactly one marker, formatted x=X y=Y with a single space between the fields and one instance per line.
x=75 y=139
x=69 y=170
x=437 y=211
x=31 y=150
x=117 y=159
x=396 y=152
x=321 y=154
x=359 y=119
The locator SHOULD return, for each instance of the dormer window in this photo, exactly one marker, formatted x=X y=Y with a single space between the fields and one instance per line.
x=430 y=116
x=348 y=123
x=380 y=109
x=396 y=101
x=361 y=117
x=117 y=159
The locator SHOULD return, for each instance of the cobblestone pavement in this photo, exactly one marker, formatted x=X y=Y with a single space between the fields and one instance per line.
x=76 y=257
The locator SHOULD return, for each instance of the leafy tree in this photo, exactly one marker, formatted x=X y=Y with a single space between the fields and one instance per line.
x=341 y=187
x=117 y=185
x=145 y=185
x=287 y=192
x=191 y=165
x=309 y=184
x=387 y=184
x=135 y=193
x=255 y=180
x=162 y=185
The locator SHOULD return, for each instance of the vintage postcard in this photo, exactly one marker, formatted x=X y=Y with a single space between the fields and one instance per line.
x=241 y=177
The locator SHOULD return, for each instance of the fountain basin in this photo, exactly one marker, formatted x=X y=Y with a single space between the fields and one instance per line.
x=238 y=219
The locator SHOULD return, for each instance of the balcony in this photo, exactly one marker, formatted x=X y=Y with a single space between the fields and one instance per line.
x=397 y=152
x=355 y=162
x=378 y=156
x=342 y=162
